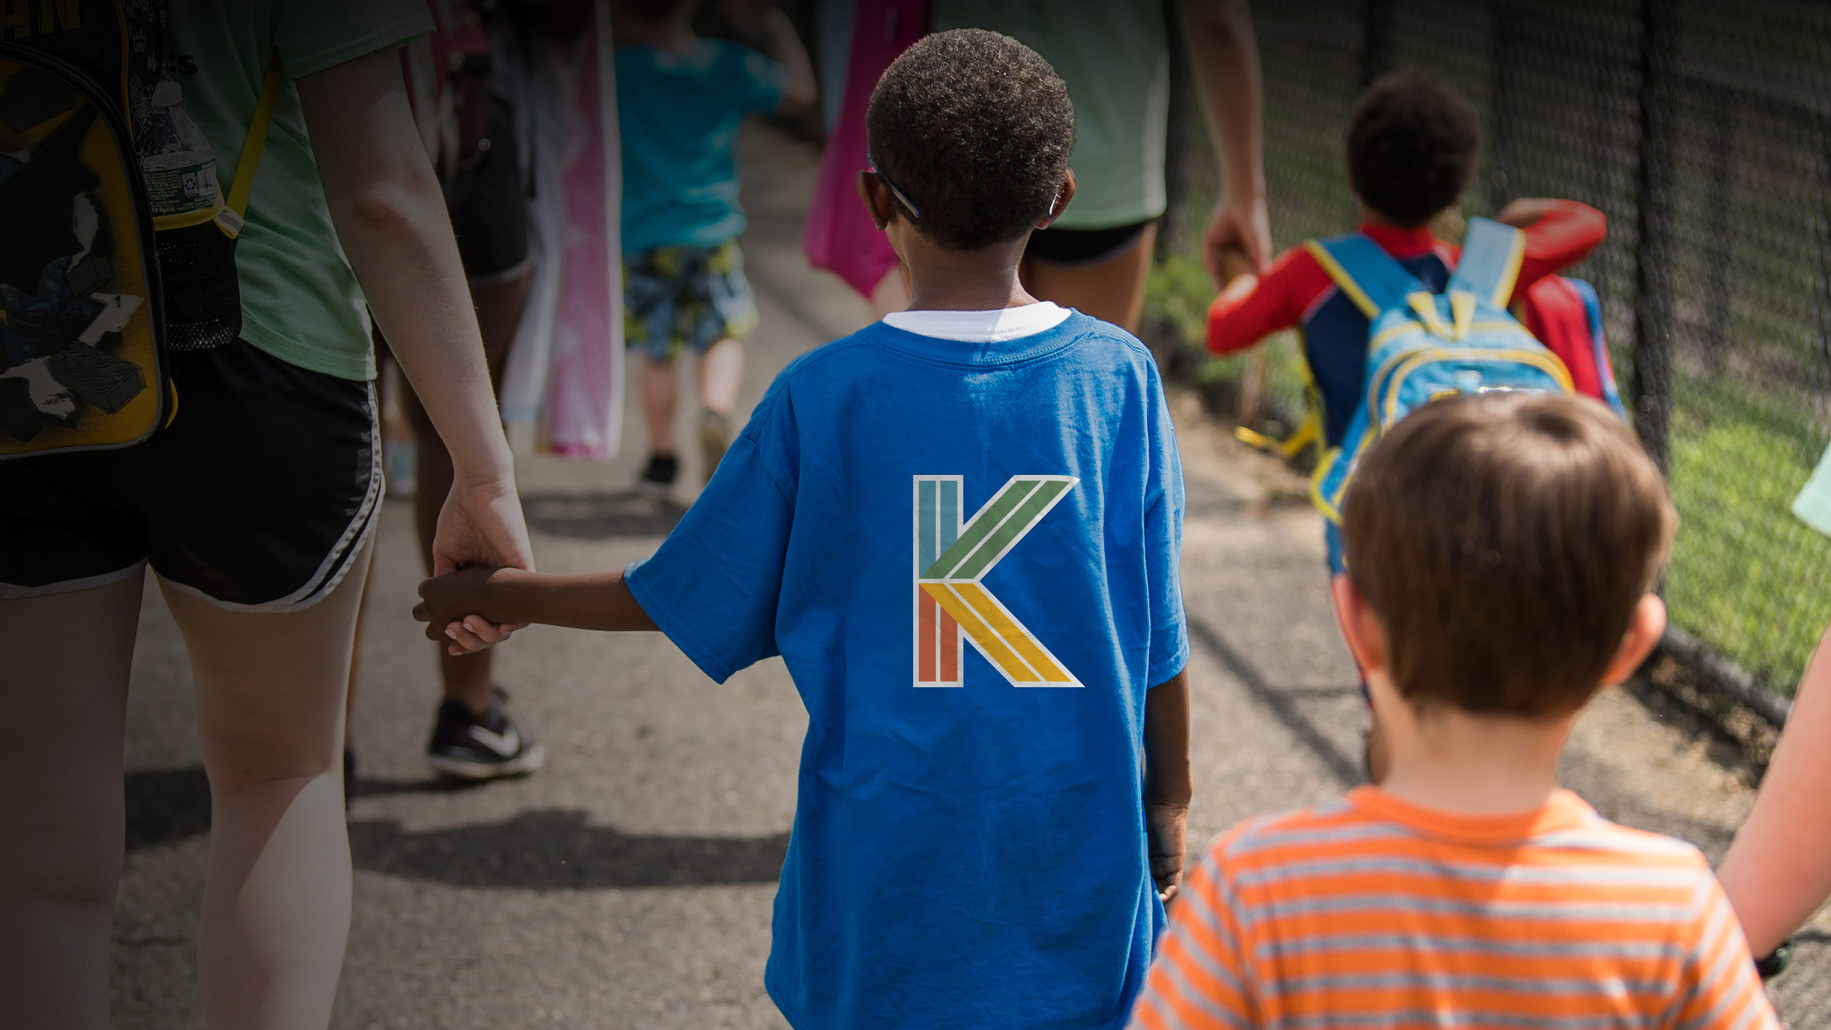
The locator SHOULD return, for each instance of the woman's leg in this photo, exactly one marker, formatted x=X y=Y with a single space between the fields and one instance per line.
x=67 y=658
x=270 y=708
x=1112 y=290
x=468 y=680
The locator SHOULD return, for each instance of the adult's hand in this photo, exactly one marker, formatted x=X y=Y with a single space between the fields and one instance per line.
x=1238 y=226
x=481 y=524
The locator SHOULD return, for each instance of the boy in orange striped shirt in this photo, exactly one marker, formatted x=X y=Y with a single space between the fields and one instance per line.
x=1501 y=548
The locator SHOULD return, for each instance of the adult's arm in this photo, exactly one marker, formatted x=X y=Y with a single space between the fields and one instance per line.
x=1778 y=869
x=1224 y=52
x=390 y=217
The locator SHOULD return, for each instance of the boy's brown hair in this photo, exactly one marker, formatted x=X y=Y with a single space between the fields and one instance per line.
x=1504 y=541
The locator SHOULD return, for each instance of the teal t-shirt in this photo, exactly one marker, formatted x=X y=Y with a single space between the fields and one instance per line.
x=300 y=301
x=1116 y=62
x=678 y=117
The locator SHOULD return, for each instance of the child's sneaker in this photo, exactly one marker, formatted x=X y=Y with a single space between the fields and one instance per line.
x=658 y=477
x=714 y=437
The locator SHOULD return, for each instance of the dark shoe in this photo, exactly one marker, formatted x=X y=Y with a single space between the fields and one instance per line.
x=714 y=437
x=658 y=476
x=486 y=748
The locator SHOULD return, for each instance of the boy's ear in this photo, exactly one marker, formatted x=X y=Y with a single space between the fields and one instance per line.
x=1359 y=625
x=1062 y=197
x=878 y=199
x=1648 y=625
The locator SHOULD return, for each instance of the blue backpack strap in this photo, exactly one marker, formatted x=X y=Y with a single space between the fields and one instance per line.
x=1489 y=266
x=1367 y=275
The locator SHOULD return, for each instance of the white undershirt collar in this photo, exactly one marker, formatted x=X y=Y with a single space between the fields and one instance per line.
x=981 y=326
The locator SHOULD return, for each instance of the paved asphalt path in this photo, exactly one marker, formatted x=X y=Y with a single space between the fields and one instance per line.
x=629 y=884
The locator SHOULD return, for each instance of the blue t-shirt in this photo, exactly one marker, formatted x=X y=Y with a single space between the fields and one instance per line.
x=967 y=851
x=678 y=116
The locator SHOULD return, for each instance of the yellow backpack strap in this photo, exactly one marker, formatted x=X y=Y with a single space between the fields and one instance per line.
x=230 y=219
x=1308 y=432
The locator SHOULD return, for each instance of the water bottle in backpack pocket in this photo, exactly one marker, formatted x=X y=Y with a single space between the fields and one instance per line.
x=1424 y=345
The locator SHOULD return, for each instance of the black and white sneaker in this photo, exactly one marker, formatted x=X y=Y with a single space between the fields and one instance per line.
x=658 y=477
x=485 y=748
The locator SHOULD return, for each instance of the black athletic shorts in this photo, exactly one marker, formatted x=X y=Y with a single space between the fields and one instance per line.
x=256 y=496
x=1083 y=246
x=488 y=203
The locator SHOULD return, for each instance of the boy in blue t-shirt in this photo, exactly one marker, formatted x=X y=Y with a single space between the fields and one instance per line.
x=960 y=529
x=679 y=101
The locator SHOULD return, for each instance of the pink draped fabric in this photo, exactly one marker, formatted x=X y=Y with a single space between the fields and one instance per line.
x=839 y=235
x=586 y=378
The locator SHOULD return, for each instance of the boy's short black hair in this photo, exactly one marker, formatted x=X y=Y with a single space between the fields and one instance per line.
x=1413 y=143
x=974 y=128
x=1504 y=540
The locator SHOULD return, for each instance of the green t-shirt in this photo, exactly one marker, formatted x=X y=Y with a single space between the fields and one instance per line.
x=1114 y=58
x=300 y=301
x=1813 y=505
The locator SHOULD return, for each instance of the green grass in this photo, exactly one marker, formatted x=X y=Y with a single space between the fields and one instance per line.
x=1746 y=576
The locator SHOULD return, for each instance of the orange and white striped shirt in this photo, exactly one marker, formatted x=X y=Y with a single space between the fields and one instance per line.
x=1370 y=912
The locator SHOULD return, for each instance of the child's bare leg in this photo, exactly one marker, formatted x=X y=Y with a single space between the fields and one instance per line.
x=67 y=660
x=1112 y=290
x=270 y=709
x=658 y=400
x=721 y=373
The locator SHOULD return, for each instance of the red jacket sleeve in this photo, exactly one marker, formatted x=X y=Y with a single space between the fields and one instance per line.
x=1565 y=235
x=1276 y=302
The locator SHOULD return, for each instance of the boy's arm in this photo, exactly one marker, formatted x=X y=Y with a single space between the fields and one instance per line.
x=1224 y=51
x=1251 y=308
x=593 y=600
x=1168 y=782
x=1559 y=233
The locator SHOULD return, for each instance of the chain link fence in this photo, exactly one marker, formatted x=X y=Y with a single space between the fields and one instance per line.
x=1703 y=131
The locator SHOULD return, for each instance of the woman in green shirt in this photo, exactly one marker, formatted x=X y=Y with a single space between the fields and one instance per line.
x=1115 y=58
x=255 y=508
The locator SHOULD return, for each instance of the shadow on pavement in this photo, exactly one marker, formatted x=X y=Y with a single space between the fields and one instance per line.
x=599 y=516
x=1280 y=703
x=560 y=850
x=166 y=805
x=544 y=850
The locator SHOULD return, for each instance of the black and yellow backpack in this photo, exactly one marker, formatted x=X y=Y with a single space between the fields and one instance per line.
x=96 y=287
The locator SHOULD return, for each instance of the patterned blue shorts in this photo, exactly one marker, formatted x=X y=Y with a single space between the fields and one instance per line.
x=685 y=296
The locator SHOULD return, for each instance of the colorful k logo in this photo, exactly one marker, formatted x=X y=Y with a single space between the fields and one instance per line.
x=952 y=558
